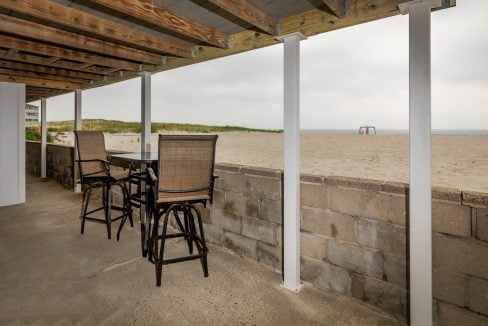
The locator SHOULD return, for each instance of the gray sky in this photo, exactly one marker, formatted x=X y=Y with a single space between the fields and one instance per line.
x=350 y=77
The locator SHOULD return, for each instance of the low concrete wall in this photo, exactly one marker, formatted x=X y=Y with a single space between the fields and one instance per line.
x=59 y=161
x=354 y=236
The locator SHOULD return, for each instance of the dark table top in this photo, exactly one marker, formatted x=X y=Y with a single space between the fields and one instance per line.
x=136 y=157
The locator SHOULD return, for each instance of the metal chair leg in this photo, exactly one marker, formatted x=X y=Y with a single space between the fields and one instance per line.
x=108 y=214
x=203 y=260
x=159 y=261
x=85 y=202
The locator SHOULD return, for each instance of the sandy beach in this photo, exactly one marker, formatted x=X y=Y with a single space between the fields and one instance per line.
x=457 y=161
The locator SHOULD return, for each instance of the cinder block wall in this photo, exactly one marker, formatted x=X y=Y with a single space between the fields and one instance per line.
x=59 y=161
x=354 y=234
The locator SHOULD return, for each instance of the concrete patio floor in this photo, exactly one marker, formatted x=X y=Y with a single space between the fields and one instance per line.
x=50 y=274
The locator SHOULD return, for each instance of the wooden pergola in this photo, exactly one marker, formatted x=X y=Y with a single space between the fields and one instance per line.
x=59 y=46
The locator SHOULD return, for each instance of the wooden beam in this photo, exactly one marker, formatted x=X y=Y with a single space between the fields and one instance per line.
x=247 y=11
x=24 y=28
x=338 y=7
x=11 y=53
x=158 y=15
x=48 y=70
x=33 y=59
x=52 y=59
x=56 y=84
x=80 y=20
x=45 y=49
x=22 y=73
x=111 y=70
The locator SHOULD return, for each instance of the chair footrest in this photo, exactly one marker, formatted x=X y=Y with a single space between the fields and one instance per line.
x=182 y=259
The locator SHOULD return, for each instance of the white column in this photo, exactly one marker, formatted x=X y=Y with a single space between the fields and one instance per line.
x=43 y=139
x=291 y=187
x=420 y=165
x=77 y=127
x=145 y=112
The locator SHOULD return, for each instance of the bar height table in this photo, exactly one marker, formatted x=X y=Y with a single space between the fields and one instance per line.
x=145 y=160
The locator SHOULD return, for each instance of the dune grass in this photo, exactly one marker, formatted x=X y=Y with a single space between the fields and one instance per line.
x=115 y=126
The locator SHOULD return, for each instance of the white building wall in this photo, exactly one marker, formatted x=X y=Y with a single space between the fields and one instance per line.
x=12 y=143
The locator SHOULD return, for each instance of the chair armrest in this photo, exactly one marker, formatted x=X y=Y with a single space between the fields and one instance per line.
x=152 y=175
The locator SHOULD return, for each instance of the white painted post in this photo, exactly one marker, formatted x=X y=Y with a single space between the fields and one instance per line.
x=145 y=112
x=291 y=187
x=43 y=139
x=420 y=165
x=77 y=127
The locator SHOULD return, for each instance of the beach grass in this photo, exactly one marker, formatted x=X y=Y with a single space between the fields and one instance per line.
x=115 y=126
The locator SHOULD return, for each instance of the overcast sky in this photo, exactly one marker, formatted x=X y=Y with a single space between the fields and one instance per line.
x=350 y=77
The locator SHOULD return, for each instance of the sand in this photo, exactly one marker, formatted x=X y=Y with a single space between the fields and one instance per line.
x=457 y=161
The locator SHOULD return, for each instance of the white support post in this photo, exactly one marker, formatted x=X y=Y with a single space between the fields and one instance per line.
x=43 y=139
x=420 y=165
x=291 y=186
x=77 y=127
x=145 y=112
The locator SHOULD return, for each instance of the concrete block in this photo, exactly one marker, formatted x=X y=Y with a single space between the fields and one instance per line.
x=449 y=287
x=448 y=315
x=271 y=210
x=241 y=245
x=213 y=234
x=398 y=214
x=262 y=187
x=270 y=255
x=230 y=181
x=396 y=270
x=325 y=275
x=313 y=195
x=388 y=297
x=381 y=236
x=451 y=218
x=475 y=199
x=363 y=203
x=242 y=205
x=313 y=246
x=482 y=223
x=260 y=230
x=478 y=295
x=355 y=258
x=328 y=223
x=218 y=198
x=461 y=255
x=226 y=220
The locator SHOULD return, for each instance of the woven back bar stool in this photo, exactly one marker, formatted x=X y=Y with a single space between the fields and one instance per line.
x=184 y=181
x=95 y=173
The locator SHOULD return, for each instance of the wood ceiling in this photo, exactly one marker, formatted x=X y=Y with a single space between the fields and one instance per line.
x=57 y=46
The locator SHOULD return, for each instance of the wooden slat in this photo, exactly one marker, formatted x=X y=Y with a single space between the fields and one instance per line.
x=48 y=70
x=338 y=7
x=11 y=53
x=247 y=11
x=22 y=73
x=40 y=82
x=33 y=59
x=74 y=18
x=45 y=49
x=20 y=27
x=52 y=59
x=148 y=11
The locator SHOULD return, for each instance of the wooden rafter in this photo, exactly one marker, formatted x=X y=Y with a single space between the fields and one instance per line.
x=11 y=53
x=39 y=82
x=158 y=15
x=23 y=73
x=52 y=59
x=33 y=59
x=45 y=49
x=80 y=20
x=338 y=7
x=23 y=28
x=247 y=11
x=48 y=70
